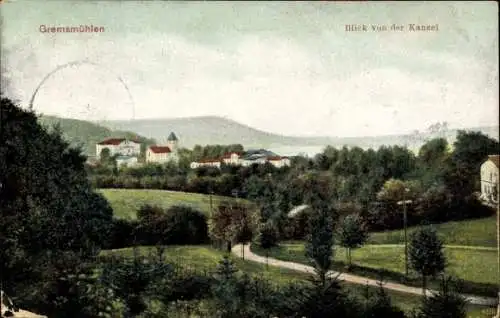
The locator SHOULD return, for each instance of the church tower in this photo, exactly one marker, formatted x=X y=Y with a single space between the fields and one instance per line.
x=172 y=142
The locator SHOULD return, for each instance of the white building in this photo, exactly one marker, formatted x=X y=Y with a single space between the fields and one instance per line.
x=489 y=179
x=238 y=159
x=126 y=161
x=159 y=154
x=279 y=162
x=206 y=163
x=119 y=146
x=163 y=154
x=232 y=158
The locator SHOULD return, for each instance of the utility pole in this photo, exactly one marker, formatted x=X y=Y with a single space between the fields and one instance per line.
x=405 y=217
x=405 y=224
x=211 y=208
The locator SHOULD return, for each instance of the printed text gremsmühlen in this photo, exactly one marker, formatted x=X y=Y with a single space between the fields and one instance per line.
x=71 y=29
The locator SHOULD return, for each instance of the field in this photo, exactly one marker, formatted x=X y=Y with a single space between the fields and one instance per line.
x=478 y=232
x=476 y=267
x=206 y=258
x=126 y=202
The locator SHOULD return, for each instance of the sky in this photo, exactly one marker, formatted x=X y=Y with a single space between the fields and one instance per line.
x=286 y=67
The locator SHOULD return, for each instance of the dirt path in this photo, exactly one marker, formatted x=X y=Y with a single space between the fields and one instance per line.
x=476 y=300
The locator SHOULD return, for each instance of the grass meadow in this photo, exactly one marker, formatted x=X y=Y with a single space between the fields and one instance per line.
x=477 y=232
x=126 y=202
x=206 y=258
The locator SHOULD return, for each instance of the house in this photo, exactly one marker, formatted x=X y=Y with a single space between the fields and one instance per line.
x=278 y=161
x=127 y=161
x=232 y=158
x=245 y=160
x=489 y=180
x=158 y=154
x=206 y=163
x=119 y=146
x=166 y=153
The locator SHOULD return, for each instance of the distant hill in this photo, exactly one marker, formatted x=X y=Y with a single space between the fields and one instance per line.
x=87 y=134
x=210 y=130
x=216 y=130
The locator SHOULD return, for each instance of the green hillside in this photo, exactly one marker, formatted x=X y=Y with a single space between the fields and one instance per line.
x=126 y=202
x=86 y=134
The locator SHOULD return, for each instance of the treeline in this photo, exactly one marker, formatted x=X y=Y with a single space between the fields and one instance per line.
x=54 y=227
x=177 y=225
x=441 y=181
x=224 y=181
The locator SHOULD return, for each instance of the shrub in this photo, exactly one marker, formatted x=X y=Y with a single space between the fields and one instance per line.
x=185 y=225
x=122 y=234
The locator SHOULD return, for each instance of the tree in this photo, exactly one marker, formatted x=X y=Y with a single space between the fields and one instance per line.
x=471 y=149
x=379 y=305
x=433 y=151
x=47 y=202
x=232 y=221
x=267 y=238
x=351 y=234
x=447 y=303
x=319 y=242
x=394 y=190
x=185 y=225
x=130 y=279
x=426 y=254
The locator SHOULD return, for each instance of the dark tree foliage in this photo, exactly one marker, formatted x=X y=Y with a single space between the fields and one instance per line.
x=131 y=279
x=233 y=222
x=325 y=298
x=267 y=237
x=320 y=240
x=351 y=234
x=380 y=305
x=47 y=203
x=447 y=303
x=178 y=225
x=426 y=255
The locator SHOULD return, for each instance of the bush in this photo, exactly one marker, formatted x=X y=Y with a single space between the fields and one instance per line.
x=122 y=234
x=179 y=225
x=185 y=225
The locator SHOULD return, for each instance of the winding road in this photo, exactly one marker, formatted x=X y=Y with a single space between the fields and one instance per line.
x=472 y=299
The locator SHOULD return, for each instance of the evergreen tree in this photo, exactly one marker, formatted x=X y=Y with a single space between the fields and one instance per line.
x=426 y=254
x=380 y=305
x=267 y=238
x=47 y=203
x=351 y=235
x=319 y=244
x=447 y=303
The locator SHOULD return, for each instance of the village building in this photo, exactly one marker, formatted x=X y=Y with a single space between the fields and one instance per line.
x=163 y=154
x=245 y=160
x=206 y=163
x=489 y=180
x=119 y=146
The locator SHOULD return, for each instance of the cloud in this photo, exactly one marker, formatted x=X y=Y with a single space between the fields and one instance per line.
x=333 y=84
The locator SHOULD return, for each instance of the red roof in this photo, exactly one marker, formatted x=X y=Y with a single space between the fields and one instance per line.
x=160 y=149
x=495 y=159
x=276 y=158
x=112 y=141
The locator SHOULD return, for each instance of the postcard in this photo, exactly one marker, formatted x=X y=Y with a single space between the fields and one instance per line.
x=356 y=143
